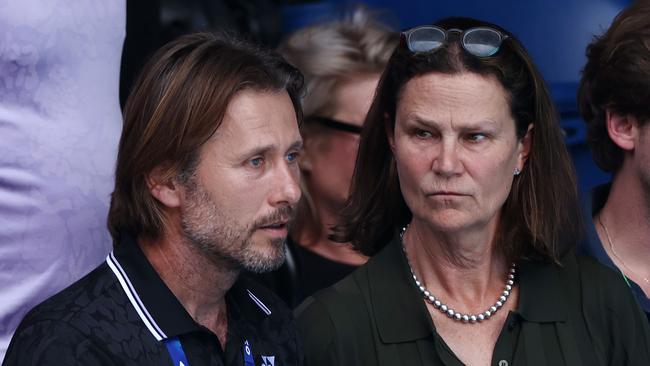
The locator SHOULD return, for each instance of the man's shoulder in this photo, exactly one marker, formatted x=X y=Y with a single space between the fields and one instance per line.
x=68 y=323
x=95 y=290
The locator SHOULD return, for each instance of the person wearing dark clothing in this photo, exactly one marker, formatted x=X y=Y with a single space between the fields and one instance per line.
x=122 y=313
x=593 y=247
x=206 y=183
x=613 y=97
x=472 y=246
x=569 y=315
x=341 y=61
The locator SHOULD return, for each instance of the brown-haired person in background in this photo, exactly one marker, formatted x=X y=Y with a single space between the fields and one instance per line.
x=614 y=99
x=341 y=61
x=465 y=197
x=207 y=179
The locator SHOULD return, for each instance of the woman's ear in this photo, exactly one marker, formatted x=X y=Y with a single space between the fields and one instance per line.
x=525 y=144
x=622 y=129
x=164 y=187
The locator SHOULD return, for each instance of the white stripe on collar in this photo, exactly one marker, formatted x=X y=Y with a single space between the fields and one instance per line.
x=259 y=303
x=132 y=294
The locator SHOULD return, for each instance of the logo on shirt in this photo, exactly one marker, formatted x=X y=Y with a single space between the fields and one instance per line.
x=248 y=354
x=268 y=360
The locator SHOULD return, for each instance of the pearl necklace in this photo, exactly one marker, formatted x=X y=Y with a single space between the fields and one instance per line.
x=453 y=314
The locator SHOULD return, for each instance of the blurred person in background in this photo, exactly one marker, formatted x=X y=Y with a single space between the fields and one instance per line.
x=60 y=123
x=614 y=99
x=465 y=197
x=342 y=61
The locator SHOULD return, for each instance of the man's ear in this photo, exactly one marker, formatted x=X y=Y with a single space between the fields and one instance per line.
x=164 y=187
x=623 y=129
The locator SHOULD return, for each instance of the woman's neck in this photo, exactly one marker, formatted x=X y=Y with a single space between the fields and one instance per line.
x=463 y=267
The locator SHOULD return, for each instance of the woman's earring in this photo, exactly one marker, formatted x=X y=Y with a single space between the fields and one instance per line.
x=517 y=172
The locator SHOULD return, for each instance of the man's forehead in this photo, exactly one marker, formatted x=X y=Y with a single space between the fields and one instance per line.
x=258 y=118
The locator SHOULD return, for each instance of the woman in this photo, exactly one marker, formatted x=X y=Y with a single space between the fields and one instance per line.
x=341 y=62
x=464 y=194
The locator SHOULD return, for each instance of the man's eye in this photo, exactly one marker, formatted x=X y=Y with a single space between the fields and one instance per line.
x=256 y=162
x=291 y=157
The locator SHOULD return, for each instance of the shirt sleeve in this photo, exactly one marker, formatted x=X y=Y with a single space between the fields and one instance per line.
x=53 y=343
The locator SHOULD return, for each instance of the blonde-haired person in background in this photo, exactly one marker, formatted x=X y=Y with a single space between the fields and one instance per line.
x=342 y=61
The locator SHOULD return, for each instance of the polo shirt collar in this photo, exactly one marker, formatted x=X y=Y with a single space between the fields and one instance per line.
x=402 y=315
x=158 y=308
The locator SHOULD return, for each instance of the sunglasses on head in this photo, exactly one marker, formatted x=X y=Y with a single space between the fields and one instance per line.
x=478 y=41
x=336 y=124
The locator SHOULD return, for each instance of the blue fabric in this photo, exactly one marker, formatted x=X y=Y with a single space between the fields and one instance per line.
x=593 y=247
x=176 y=352
x=248 y=355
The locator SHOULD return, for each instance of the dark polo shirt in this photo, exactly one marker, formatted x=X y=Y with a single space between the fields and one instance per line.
x=579 y=314
x=122 y=313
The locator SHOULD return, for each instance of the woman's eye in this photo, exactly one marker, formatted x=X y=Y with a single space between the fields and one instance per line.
x=422 y=134
x=291 y=157
x=256 y=162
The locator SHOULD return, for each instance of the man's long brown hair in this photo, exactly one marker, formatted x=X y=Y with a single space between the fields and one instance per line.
x=176 y=105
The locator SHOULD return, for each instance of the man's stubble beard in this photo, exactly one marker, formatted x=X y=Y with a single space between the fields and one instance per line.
x=223 y=241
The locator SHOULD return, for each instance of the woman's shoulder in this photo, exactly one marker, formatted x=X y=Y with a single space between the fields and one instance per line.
x=336 y=323
x=337 y=301
x=608 y=306
x=595 y=279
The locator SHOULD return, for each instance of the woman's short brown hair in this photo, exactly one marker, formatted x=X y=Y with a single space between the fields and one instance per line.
x=176 y=105
x=616 y=76
x=540 y=218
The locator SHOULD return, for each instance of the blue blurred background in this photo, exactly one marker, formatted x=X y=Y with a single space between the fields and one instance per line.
x=555 y=33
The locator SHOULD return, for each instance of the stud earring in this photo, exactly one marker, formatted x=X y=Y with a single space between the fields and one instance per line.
x=517 y=172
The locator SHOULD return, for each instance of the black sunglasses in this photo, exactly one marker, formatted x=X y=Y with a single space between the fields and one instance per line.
x=336 y=124
x=478 y=41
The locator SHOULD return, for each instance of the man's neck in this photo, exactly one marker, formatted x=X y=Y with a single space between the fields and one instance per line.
x=627 y=218
x=198 y=283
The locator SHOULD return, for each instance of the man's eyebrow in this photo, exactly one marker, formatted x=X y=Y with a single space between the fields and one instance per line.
x=261 y=150
x=296 y=145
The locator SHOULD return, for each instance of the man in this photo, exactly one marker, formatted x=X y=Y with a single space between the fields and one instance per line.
x=614 y=99
x=206 y=182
